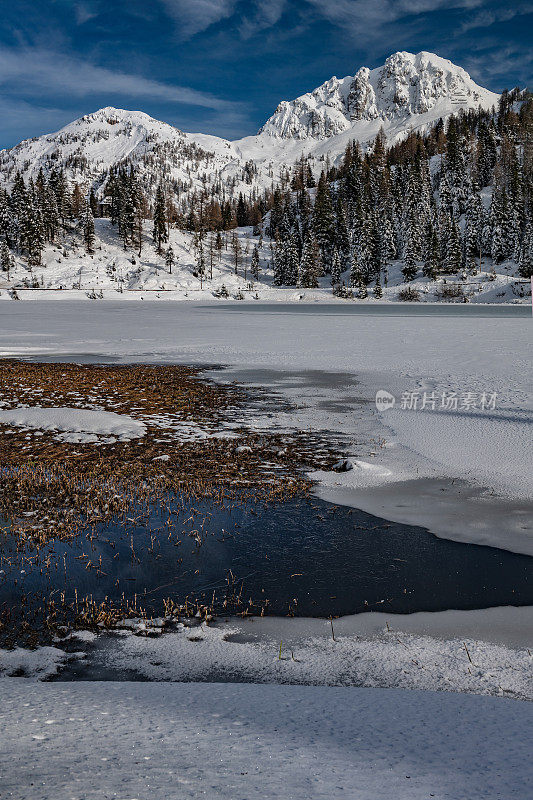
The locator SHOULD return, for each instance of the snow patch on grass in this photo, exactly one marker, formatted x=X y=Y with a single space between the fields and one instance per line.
x=74 y=424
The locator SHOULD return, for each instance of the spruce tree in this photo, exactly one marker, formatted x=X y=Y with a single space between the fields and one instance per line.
x=386 y=240
x=279 y=264
x=6 y=259
x=160 y=221
x=474 y=223
x=409 y=268
x=31 y=233
x=342 y=240
x=242 y=213
x=310 y=267
x=525 y=263
x=324 y=221
x=93 y=203
x=169 y=259
x=432 y=259
x=355 y=271
x=336 y=269
x=88 y=229
x=291 y=262
x=452 y=261
x=254 y=265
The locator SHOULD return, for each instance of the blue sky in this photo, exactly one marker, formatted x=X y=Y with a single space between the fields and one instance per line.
x=222 y=66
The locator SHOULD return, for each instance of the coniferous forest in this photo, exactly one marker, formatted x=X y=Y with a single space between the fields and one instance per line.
x=439 y=203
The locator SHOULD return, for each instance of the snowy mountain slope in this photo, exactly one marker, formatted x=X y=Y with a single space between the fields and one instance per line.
x=408 y=92
x=118 y=272
x=405 y=87
x=88 y=147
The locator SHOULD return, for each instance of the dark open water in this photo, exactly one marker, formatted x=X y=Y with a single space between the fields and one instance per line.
x=307 y=558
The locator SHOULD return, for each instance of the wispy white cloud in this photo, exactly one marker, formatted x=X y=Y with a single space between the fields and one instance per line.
x=488 y=17
x=193 y=16
x=84 y=12
x=265 y=14
x=249 y=18
x=364 y=16
x=30 y=72
x=511 y=61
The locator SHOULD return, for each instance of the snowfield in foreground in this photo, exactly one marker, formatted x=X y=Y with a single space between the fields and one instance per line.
x=223 y=742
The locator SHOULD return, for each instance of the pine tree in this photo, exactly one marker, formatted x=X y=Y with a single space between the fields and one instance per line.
x=169 y=259
x=77 y=202
x=324 y=221
x=336 y=269
x=237 y=251
x=254 y=266
x=525 y=264
x=138 y=204
x=378 y=291
x=432 y=259
x=88 y=229
x=310 y=267
x=160 y=222
x=452 y=261
x=200 y=259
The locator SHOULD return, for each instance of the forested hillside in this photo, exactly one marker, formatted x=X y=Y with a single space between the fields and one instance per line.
x=444 y=205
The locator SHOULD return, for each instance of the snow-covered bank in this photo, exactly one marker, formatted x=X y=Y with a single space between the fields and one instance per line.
x=478 y=652
x=458 y=651
x=331 y=362
x=75 y=424
x=138 y=740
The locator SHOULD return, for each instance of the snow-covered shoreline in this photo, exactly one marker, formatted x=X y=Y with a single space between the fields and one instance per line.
x=484 y=652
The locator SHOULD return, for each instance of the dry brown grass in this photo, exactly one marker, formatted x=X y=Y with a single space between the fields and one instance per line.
x=52 y=490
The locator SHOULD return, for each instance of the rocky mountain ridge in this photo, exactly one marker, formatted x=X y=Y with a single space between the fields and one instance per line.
x=408 y=92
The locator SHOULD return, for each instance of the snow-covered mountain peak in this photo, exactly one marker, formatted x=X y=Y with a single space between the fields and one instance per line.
x=409 y=92
x=90 y=146
x=110 y=122
x=406 y=85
